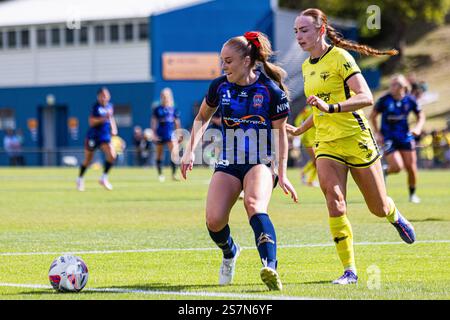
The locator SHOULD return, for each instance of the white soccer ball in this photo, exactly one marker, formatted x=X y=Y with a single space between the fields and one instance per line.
x=68 y=274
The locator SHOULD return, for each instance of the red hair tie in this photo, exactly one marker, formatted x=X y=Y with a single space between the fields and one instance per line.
x=252 y=37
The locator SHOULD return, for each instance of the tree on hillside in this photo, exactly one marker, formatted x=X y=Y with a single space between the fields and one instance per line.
x=396 y=16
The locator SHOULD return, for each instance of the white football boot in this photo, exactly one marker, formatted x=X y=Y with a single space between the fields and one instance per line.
x=227 y=268
x=271 y=278
x=80 y=184
x=105 y=183
x=414 y=198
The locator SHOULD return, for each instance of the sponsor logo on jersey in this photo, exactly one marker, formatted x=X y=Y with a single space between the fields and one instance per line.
x=282 y=107
x=226 y=98
x=249 y=119
x=325 y=96
x=348 y=65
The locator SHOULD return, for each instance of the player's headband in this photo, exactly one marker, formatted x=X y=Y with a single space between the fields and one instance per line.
x=252 y=37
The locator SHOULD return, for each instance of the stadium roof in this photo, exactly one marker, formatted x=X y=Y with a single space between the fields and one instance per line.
x=35 y=12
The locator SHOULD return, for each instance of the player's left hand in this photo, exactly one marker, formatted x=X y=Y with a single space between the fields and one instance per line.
x=319 y=103
x=287 y=187
x=187 y=163
x=415 y=132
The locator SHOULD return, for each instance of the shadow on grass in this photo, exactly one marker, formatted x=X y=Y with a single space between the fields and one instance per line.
x=428 y=220
x=316 y=282
x=153 y=287
x=189 y=288
x=154 y=200
x=164 y=287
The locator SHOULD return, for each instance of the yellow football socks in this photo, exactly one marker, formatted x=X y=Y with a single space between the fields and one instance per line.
x=341 y=230
x=308 y=167
x=393 y=213
x=312 y=175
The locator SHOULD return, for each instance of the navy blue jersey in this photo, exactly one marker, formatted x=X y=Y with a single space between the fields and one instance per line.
x=166 y=117
x=103 y=130
x=394 y=116
x=247 y=114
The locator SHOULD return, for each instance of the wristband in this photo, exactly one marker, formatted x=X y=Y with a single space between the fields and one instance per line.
x=336 y=107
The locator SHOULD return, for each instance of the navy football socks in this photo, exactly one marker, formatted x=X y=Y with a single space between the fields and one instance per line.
x=224 y=241
x=265 y=238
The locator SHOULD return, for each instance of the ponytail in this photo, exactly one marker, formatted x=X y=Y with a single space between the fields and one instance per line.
x=339 y=41
x=320 y=20
x=257 y=46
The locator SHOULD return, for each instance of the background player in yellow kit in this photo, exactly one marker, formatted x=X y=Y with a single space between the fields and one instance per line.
x=309 y=171
x=334 y=86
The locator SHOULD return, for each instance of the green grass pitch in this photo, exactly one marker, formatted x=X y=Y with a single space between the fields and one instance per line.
x=42 y=216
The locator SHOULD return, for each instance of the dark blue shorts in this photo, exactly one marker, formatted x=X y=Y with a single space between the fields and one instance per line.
x=391 y=145
x=93 y=143
x=239 y=170
x=163 y=141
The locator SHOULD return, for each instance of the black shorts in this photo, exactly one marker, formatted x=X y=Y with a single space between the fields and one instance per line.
x=391 y=145
x=163 y=141
x=239 y=170
x=91 y=143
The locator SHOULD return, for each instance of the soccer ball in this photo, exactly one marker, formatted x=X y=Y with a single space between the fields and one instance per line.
x=68 y=274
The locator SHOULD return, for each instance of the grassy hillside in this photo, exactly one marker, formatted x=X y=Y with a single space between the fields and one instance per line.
x=429 y=59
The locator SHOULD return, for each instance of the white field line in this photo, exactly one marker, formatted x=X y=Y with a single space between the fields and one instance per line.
x=204 y=294
x=312 y=245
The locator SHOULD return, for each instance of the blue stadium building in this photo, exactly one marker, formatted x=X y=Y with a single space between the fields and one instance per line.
x=55 y=54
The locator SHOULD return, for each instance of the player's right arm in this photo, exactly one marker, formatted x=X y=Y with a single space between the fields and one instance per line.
x=200 y=125
x=207 y=109
x=305 y=126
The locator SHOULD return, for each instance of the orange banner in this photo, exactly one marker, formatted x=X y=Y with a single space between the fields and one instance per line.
x=191 y=66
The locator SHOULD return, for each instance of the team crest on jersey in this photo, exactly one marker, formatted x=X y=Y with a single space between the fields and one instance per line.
x=324 y=75
x=258 y=100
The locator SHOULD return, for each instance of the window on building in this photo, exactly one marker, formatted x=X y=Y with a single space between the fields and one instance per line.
x=70 y=36
x=114 y=33
x=42 y=37
x=123 y=115
x=11 y=39
x=99 y=32
x=7 y=119
x=128 y=31
x=25 y=38
x=83 y=35
x=56 y=36
x=143 y=31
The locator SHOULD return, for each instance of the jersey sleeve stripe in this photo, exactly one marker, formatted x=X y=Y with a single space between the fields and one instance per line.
x=209 y=103
x=351 y=75
x=280 y=115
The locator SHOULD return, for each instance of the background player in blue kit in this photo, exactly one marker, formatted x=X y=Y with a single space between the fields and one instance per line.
x=398 y=140
x=165 y=120
x=251 y=104
x=102 y=127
